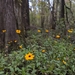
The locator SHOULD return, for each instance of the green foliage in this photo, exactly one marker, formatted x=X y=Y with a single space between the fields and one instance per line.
x=51 y=57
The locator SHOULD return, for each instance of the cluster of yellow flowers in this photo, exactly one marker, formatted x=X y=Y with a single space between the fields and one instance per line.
x=64 y=62
x=70 y=30
x=4 y=31
x=17 y=31
x=30 y=56
x=12 y=41
x=40 y=30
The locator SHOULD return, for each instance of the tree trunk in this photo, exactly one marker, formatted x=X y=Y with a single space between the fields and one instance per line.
x=62 y=2
x=25 y=16
x=53 y=17
x=9 y=23
x=62 y=12
x=1 y=24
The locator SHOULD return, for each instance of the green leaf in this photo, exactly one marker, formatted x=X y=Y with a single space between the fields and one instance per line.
x=1 y=73
x=23 y=71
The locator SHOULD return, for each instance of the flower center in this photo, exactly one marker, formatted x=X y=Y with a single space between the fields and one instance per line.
x=29 y=55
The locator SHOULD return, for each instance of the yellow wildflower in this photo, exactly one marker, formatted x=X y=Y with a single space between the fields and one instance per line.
x=10 y=42
x=4 y=31
x=58 y=59
x=43 y=51
x=57 y=36
x=20 y=46
x=69 y=36
x=74 y=48
x=29 y=56
x=64 y=62
x=70 y=30
x=39 y=30
x=46 y=30
x=15 y=41
x=18 y=31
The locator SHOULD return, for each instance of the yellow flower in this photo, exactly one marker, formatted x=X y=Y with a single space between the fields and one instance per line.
x=70 y=30
x=20 y=46
x=74 y=48
x=10 y=42
x=46 y=31
x=58 y=59
x=18 y=31
x=4 y=31
x=29 y=56
x=69 y=36
x=64 y=62
x=57 y=36
x=15 y=41
x=39 y=30
x=43 y=51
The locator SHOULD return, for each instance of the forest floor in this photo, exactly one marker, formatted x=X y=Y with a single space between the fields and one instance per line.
x=46 y=54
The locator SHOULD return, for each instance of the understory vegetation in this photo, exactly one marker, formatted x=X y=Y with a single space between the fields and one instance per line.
x=46 y=53
x=37 y=37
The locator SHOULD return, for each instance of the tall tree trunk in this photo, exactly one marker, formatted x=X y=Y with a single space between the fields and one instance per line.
x=53 y=17
x=25 y=16
x=9 y=23
x=62 y=2
x=62 y=12
x=1 y=24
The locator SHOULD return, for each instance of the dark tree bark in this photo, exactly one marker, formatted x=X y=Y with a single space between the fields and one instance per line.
x=62 y=3
x=53 y=17
x=1 y=24
x=10 y=21
x=25 y=17
x=25 y=14
x=7 y=22
x=62 y=12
